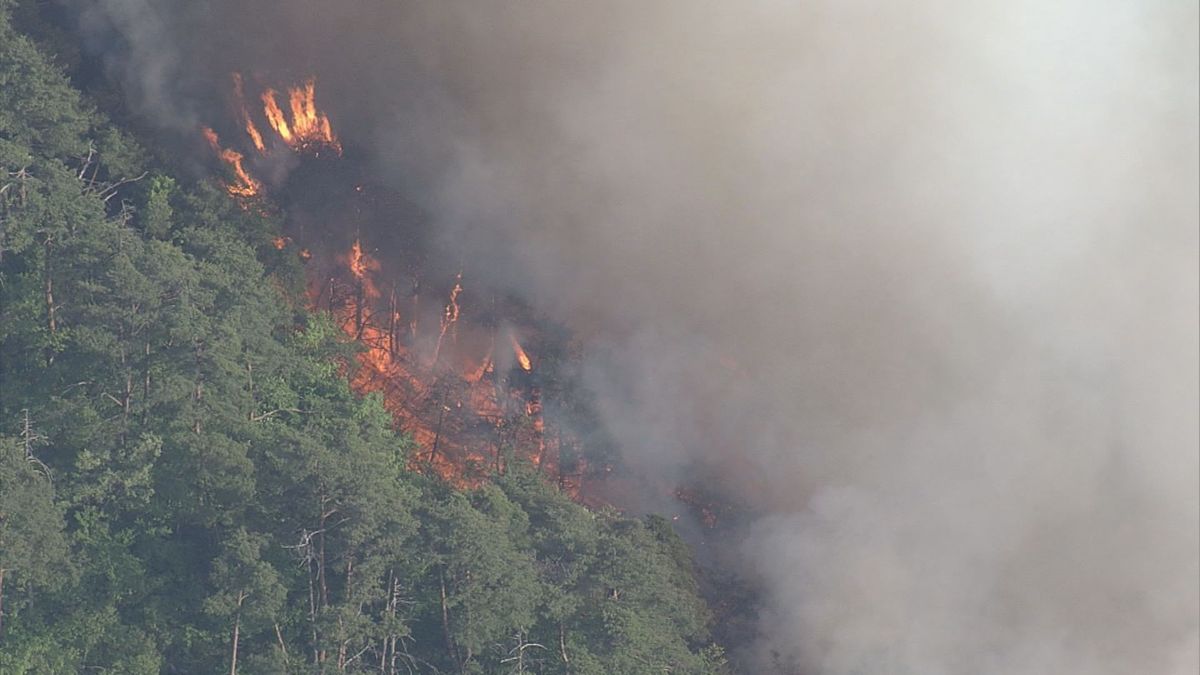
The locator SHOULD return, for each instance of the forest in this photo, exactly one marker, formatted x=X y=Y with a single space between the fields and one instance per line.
x=189 y=484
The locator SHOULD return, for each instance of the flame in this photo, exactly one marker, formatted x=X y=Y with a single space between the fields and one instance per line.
x=245 y=185
x=533 y=410
x=254 y=135
x=522 y=357
x=306 y=121
x=213 y=141
x=244 y=114
x=452 y=309
x=361 y=265
x=460 y=411
x=449 y=316
x=275 y=116
x=309 y=128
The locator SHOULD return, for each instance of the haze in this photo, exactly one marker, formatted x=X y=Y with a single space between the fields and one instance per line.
x=916 y=281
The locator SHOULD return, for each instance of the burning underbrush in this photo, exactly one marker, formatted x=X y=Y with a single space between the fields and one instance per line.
x=462 y=386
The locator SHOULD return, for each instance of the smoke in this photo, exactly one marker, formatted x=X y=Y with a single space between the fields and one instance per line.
x=915 y=281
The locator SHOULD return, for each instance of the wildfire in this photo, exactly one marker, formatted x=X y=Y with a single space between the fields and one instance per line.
x=309 y=128
x=244 y=184
x=522 y=357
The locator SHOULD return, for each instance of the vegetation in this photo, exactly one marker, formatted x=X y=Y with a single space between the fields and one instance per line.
x=188 y=484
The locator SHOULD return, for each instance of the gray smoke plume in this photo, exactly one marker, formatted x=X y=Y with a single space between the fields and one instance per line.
x=917 y=281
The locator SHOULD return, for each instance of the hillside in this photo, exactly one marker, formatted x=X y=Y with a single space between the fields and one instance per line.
x=189 y=484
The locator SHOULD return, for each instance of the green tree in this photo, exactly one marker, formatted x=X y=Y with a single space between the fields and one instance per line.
x=33 y=550
x=156 y=215
x=248 y=589
x=481 y=587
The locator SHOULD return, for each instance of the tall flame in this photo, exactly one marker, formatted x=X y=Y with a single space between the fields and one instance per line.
x=308 y=130
x=449 y=316
x=275 y=116
x=361 y=265
x=251 y=130
x=309 y=127
x=245 y=185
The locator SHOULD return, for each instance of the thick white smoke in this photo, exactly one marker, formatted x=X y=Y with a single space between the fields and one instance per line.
x=918 y=280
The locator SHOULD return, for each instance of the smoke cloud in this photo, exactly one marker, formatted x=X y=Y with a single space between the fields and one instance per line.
x=917 y=282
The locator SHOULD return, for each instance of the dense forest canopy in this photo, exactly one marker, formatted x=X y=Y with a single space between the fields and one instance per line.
x=188 y=484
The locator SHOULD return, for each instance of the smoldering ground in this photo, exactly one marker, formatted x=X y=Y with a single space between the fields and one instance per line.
x=917 y=281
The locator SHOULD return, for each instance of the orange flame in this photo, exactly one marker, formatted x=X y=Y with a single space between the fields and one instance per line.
x=361 y=265
x=275 y=116
x=245 y=185
x=449 y=316
x=460 y=411
x=309 y=128
x=213 y=141
x=452 y=309
x=247 y=123
x=522 y=357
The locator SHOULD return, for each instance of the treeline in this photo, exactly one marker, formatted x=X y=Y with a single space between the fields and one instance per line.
x=188 y=485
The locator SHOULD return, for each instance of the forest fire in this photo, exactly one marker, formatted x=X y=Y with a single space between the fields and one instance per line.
x=515 y=338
